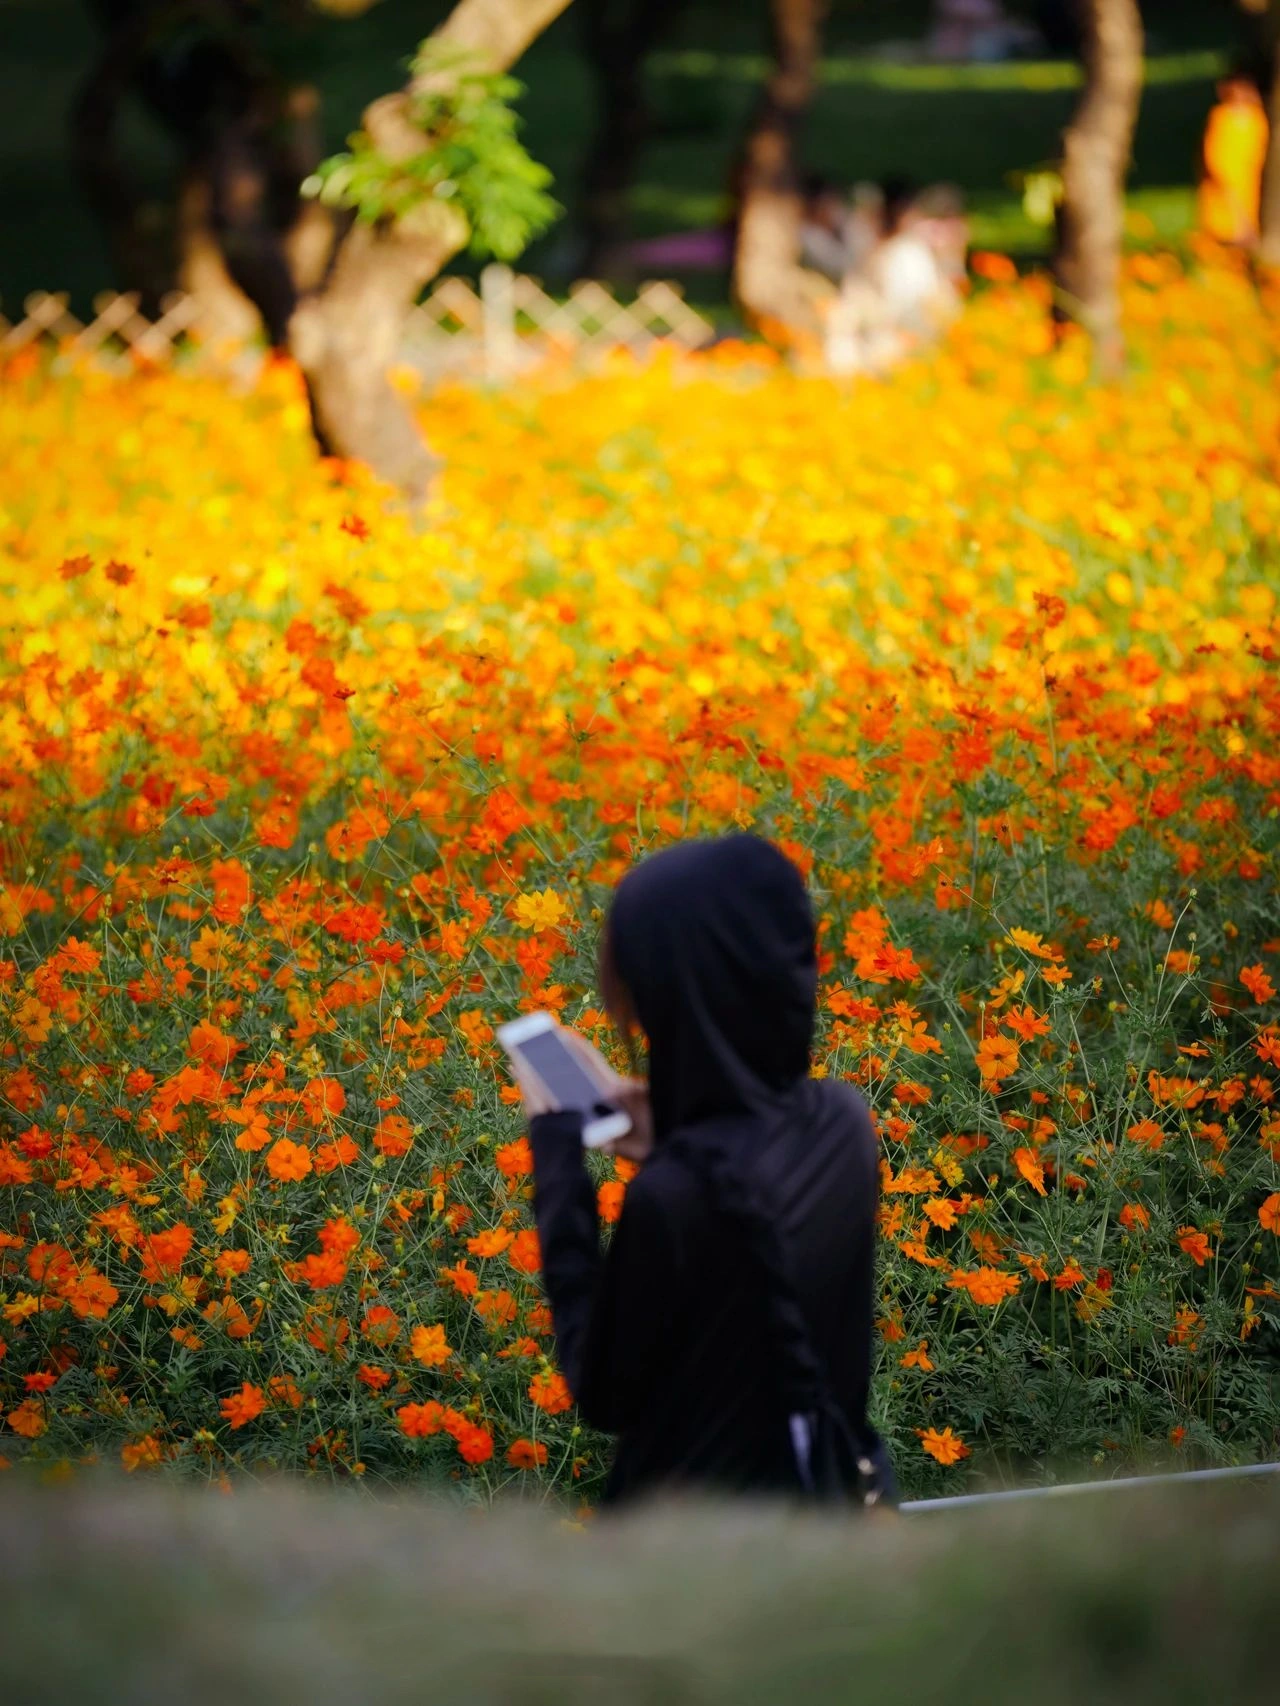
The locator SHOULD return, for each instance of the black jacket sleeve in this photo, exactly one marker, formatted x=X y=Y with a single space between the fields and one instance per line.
x=616 y=1314
x=564 y=1204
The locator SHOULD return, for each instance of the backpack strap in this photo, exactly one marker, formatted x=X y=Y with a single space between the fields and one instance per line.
x=831 y=1461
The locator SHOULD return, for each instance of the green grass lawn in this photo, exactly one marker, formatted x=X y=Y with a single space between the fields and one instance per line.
x=977 y=126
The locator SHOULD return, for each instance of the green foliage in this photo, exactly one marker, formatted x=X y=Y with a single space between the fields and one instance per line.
x=472 y=160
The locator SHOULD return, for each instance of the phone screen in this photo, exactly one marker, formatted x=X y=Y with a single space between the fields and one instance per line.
x=562 y=1074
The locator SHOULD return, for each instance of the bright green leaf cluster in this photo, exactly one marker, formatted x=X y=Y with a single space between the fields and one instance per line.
x=472 y=160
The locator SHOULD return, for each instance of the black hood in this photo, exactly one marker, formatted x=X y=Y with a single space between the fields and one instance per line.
x=715 y=943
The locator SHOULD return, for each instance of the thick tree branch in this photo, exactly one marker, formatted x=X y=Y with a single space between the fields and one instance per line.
x=345 y=335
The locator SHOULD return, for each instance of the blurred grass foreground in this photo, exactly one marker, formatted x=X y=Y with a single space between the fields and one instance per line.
x=277 y=1596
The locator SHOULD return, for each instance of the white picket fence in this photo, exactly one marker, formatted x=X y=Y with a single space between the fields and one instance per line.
x=506 y=326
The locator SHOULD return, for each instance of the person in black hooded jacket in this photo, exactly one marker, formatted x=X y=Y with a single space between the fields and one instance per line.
x=734 y=1301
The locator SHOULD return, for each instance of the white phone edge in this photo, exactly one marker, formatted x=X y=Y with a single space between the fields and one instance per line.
x=596 y=1133
x=516 y=1031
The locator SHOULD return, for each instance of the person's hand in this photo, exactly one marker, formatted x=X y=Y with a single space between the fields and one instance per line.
x=629 y=1094
x=632 y=1096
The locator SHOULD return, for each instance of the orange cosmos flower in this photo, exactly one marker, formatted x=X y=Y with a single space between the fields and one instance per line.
x=475 y=1444
x=918 y=1358
x=1031 y=943
x=28 y=1419
x=144 y=1453
x=497 y=1307
x=288 y=1161
x=1195 y=1244
x=320 y=1272
x=996 y=1058
x=339 y=1237
x=231 y=1318
x=913 y=1181
x=893 y=965
x=420 y=1421
x=428 y=1345
x=1026 y=1023
x=1147 y=1133
x=163 y=1253
x=323 y=1099
x=525 y=1347
x=242 y=1406
x=462 y=1278
x=212 y=1046
x=1259 y=985
x=526 y=1454
x=1134 y=1215
x=34 y=1020
x=285 y=1391
x=1269 y=1213
x=550 y=1393
x=491 y=1243
x=394 y=1135
x=90 y=1295
x=609 y=1199
x=14 y=1170
x=476 y=1029
x=256 y=1133
x=340 y=1152
x=916 y=1249
x=514 y=1160
x=1174 y=1091
x=1031 y=1167
x=230 y=1262
x=381 y=1325
x=1186 y=1327
x=939 y=1212
x=986 y=1285
x=946 y=1447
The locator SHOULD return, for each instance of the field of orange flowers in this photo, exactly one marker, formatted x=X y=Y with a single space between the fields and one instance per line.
x=302 y=796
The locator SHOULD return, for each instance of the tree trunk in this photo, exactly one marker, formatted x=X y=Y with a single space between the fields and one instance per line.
x=344 y=336
x=1096 y=149
x=767 y=277
x=245 y=241
x=1269 y=213
x=617 y=38
x=224 y=314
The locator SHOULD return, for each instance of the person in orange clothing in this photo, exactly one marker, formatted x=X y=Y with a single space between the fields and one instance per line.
x=1235 y=147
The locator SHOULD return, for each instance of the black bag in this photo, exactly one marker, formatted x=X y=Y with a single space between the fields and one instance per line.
x=836 y=1464
x=836 y=1467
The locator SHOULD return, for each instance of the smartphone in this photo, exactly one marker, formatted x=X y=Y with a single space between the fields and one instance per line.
x=538 y=1042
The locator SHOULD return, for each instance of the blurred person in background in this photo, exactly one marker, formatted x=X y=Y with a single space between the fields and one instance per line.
x=912 y=267
x=724 y=1336
x=1234 y=153
x=839 y=232
x=969 y=31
